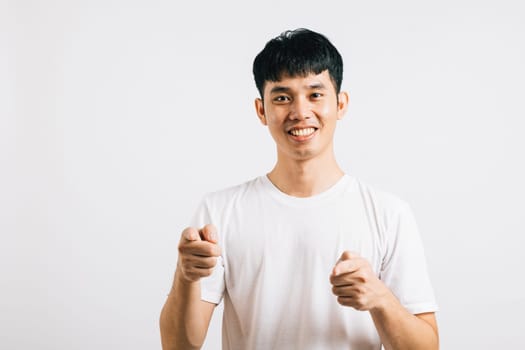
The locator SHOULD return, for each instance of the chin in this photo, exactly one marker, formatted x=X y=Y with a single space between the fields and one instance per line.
x=304 y=155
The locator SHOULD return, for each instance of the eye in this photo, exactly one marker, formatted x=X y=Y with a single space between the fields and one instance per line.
x=316 y=95
x=281 y=99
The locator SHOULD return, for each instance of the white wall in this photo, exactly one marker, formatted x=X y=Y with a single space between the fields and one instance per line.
x=117 y=116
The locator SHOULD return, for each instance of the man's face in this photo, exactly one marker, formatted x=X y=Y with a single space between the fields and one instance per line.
x=301 y=114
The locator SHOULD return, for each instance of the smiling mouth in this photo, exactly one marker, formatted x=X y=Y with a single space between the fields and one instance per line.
x=302 y=132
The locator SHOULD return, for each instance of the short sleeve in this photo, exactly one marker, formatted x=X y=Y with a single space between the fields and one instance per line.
x=404 y=268
x=212 y=287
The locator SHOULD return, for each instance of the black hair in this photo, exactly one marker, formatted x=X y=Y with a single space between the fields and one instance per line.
x=297 y=52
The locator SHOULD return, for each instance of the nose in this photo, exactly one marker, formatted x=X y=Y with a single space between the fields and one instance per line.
x=300 y=109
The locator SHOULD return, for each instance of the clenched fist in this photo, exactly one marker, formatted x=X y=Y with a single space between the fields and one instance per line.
x=198 y=252
x=355 y=283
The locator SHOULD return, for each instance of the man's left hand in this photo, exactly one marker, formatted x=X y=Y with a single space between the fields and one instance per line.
x=355 y=284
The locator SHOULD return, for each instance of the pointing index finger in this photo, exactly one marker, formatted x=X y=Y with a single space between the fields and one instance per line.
x=345 y=266
x=209 y=233
x=191 y=234
x=348 y=255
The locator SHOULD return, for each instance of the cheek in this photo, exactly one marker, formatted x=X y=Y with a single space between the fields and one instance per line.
x=274 y=126
x=274 y=120
x=328 y=111
x=329 y=120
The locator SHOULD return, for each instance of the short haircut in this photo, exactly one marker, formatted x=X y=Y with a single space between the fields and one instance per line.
x=295 y=53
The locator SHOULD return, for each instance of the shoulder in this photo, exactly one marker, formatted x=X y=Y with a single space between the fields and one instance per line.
x=384 y=203
x=230 y=193
x=380 y=195
x=392 y=216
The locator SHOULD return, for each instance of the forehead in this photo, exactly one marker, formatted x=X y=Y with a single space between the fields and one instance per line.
x=296 y=83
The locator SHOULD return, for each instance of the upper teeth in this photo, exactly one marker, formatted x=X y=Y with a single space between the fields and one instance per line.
x=302 y=132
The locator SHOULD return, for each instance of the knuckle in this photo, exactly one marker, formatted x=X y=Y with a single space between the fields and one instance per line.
x=360 y=276
x=207 y=272
x=205 y=263
x=208 y=250
x=212 y=250
x=187 y=250
x=186 y=266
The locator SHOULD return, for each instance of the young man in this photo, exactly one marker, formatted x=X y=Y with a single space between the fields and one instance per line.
x=305 y=257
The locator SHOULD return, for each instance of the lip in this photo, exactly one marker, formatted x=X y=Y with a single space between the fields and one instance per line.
x=302 y=138
x=301 y=127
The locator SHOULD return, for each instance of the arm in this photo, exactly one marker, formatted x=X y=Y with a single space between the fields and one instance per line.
x=185 y=318
x=399 y=329
x=356 y=285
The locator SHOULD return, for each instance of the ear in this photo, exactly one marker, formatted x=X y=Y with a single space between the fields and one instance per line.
x=259 y=108
x=342 y=104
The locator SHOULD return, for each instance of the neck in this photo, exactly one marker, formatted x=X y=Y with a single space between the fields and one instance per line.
x=305 y=178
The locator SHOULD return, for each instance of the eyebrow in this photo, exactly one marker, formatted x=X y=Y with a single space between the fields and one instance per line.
x=316 y=85
x=279 y=88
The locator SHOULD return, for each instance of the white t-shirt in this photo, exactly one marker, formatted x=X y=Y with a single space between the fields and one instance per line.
x=278 y=252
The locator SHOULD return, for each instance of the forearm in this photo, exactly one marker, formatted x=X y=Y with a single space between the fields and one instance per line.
x=183 y=322
x=399 y=329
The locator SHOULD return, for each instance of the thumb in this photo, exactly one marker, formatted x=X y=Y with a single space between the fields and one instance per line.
x=190 y=234
x=209 y=233
x=340 y=264
x=347 y=255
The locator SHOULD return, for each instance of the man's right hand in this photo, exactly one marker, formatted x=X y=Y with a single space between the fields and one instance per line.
x=198 y=252
x=185 y=317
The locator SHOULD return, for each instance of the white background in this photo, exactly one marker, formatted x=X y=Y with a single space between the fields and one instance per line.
x=117 y=116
